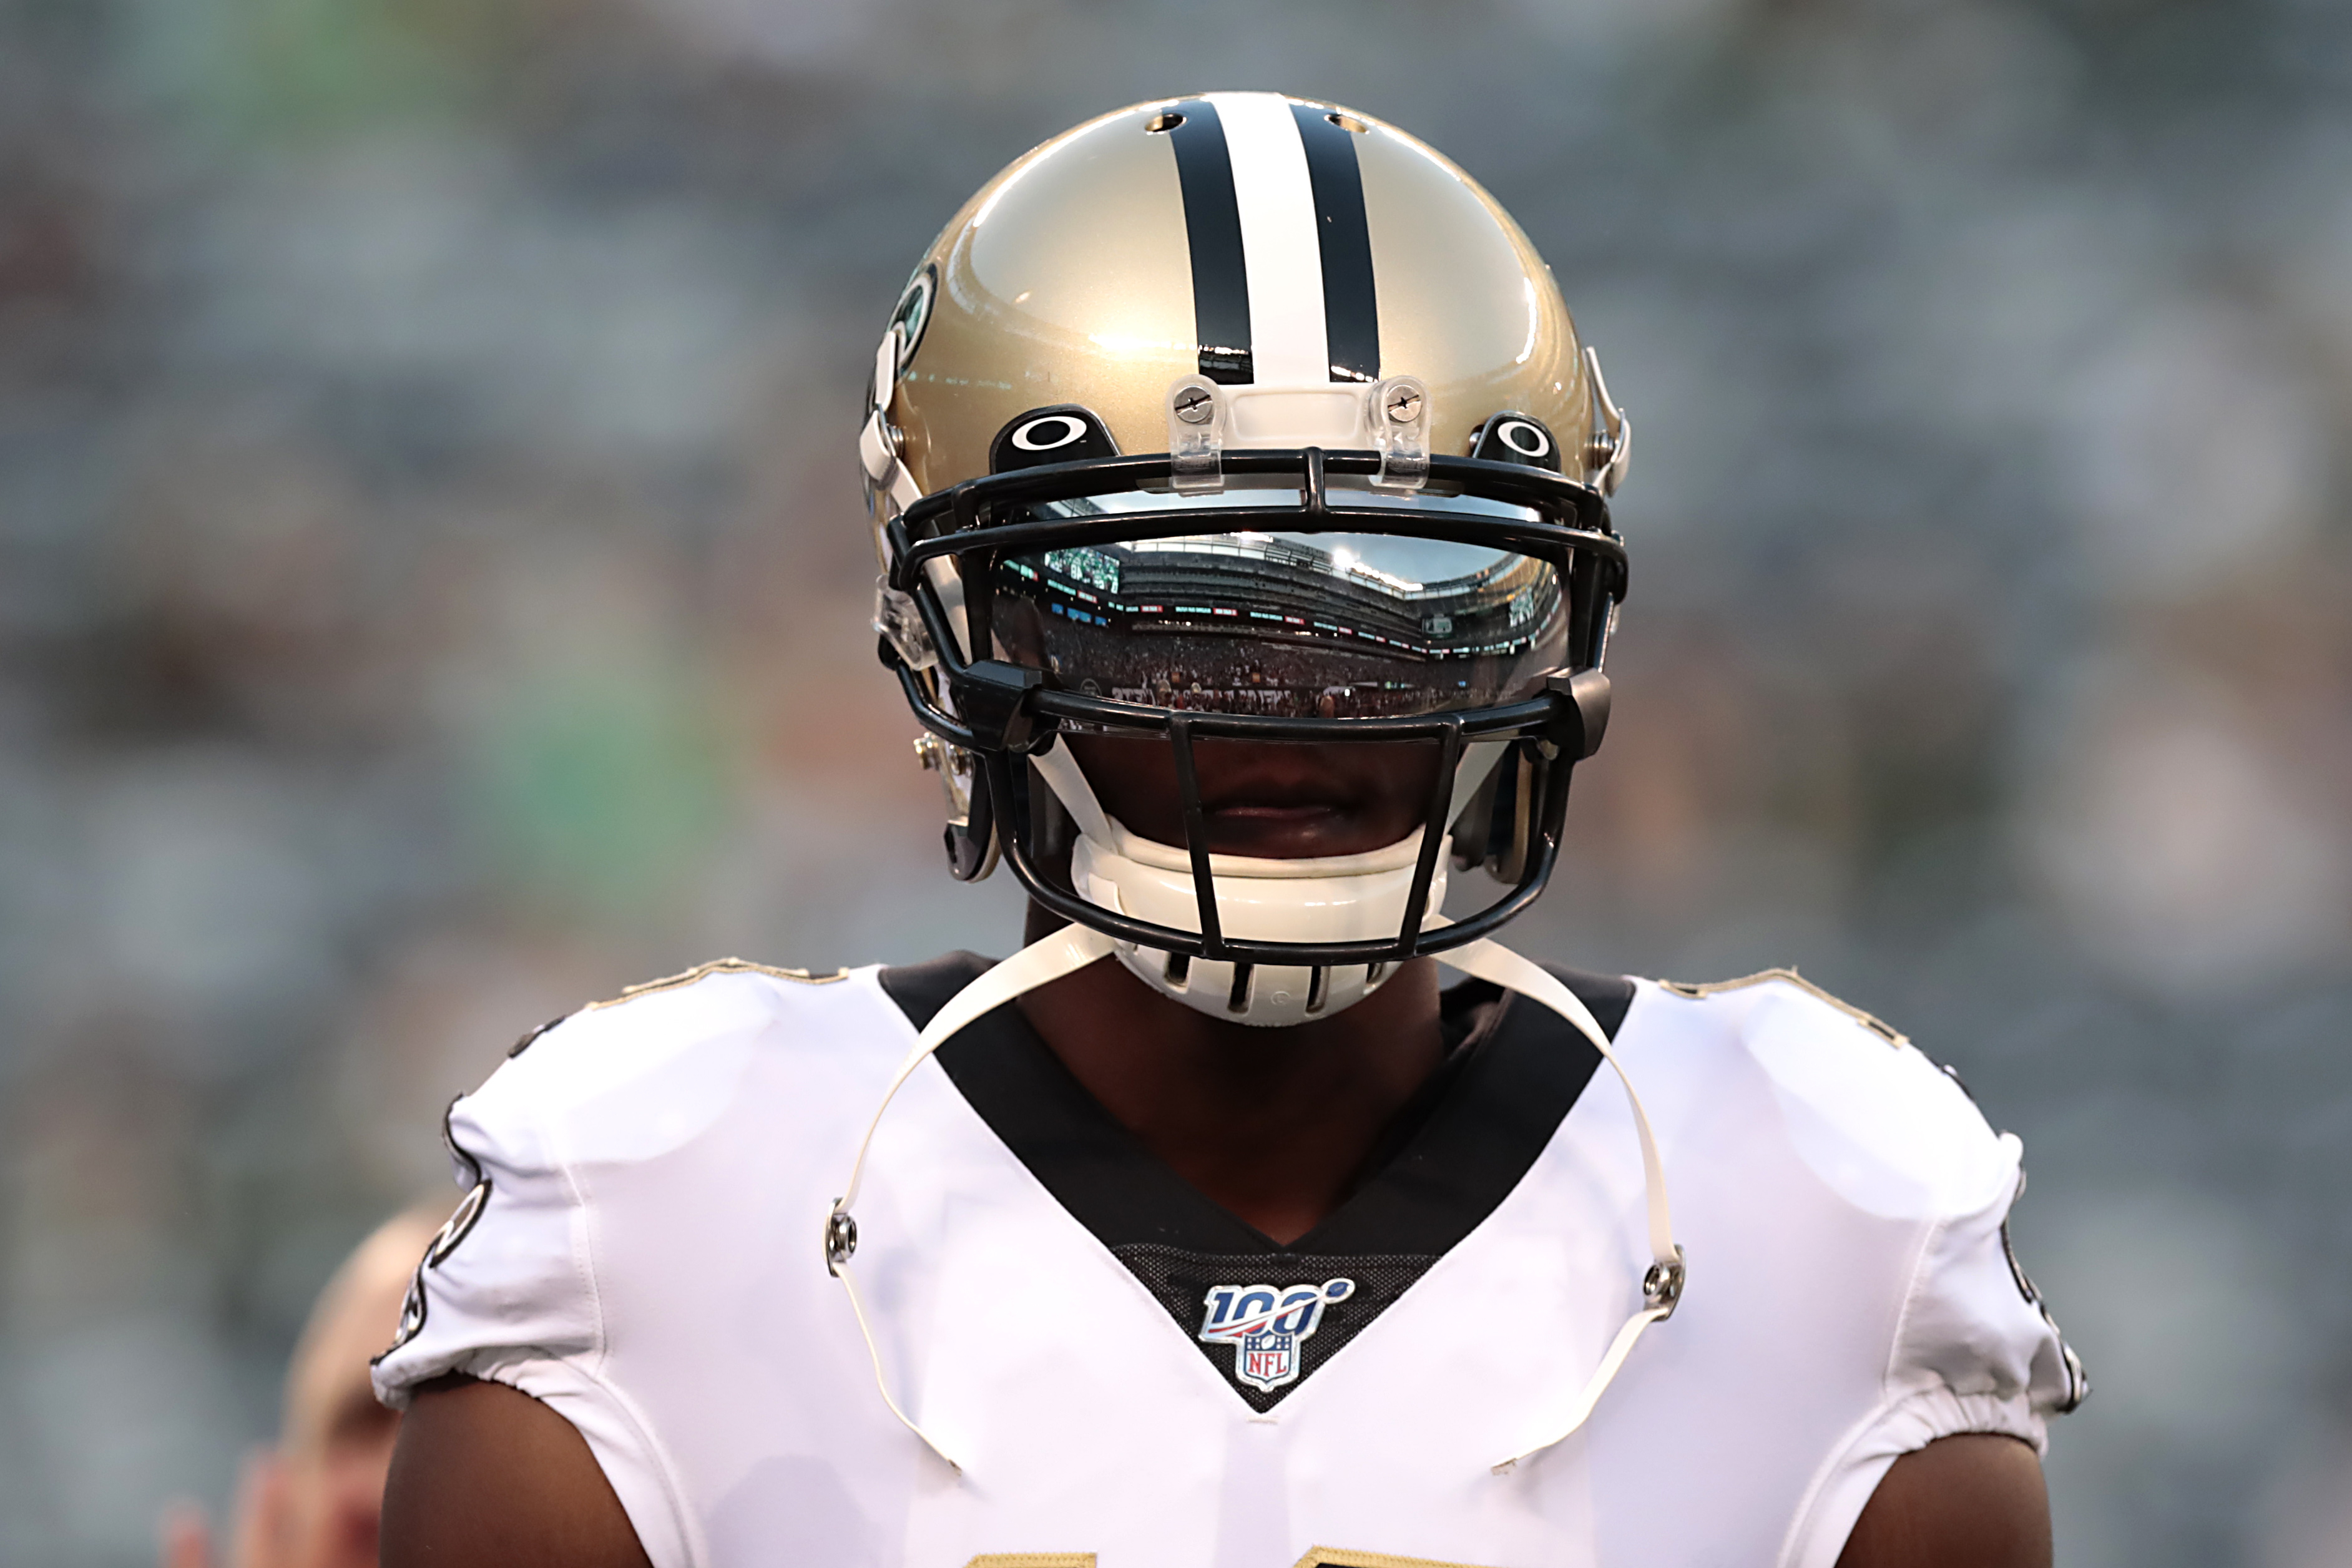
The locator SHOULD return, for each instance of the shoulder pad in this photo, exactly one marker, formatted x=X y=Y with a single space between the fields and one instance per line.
x=1876 y=1119
x=1884 y=1031
x=675 y=982
x=717 y=966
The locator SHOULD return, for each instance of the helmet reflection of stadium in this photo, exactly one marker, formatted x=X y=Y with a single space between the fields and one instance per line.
x=1253 y=624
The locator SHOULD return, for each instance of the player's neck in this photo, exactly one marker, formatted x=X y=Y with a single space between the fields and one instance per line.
x=1276 y=1125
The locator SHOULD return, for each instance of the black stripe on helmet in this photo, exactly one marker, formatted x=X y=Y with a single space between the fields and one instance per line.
x=1212 y=232
x=1351 y=320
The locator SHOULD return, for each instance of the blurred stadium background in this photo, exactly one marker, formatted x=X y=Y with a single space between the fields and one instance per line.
x=434 y=593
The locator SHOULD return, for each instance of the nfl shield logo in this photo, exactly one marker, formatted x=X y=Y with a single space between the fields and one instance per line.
x=1265 y=1324
x=1269 y=1360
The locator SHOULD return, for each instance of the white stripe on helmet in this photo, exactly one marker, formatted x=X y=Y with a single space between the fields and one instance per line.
x=1280 y=247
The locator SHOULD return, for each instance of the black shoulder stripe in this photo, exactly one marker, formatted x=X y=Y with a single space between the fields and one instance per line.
x=1351 y=320
x=1212 y=232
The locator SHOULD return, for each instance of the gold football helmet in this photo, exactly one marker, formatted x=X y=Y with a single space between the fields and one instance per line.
x=1251 y=418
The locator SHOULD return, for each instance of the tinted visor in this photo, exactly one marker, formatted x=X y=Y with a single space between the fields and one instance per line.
x=1333 y=625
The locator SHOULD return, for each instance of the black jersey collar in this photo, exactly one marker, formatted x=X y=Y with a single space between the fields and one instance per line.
x=1452 y=1155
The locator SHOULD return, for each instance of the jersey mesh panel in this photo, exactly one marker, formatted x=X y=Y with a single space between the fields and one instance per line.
x=1180 y=1281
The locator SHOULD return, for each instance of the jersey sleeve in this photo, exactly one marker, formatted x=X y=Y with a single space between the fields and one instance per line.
x=1978 y=1351
x=508 y=1293
x=1974 y=1351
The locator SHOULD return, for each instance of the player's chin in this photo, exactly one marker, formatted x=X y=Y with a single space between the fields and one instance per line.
x=1303 y=832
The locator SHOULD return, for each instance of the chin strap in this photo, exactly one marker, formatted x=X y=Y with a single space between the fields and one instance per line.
x=877 y=443
x=1662 y=1286
x=1068 y=950
x=1073 y=947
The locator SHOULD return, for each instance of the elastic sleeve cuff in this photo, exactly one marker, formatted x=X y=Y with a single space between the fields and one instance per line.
x=1903 y=1426
x=624 y=1448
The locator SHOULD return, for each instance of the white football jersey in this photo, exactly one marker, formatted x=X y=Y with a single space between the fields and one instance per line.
x=1130 y=1377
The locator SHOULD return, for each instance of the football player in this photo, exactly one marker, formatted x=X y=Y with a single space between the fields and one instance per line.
x=1241 y=492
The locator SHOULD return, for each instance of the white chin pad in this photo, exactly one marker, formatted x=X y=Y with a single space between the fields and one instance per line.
x=1354 y=898
x=1347 y=897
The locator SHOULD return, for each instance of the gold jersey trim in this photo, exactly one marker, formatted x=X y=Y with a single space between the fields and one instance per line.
x=715 y=966
x=1884 y=1031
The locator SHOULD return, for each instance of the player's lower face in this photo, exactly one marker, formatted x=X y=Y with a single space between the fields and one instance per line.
x=1275 y=800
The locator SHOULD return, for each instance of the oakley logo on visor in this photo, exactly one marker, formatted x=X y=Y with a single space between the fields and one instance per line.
x=1511 y=437
x=1064 y=434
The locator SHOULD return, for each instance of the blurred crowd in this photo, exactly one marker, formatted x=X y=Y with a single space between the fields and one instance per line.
x=434 y=592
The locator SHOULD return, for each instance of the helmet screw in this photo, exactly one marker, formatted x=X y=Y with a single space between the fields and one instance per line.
x=1194 y=406
x=1404 y=406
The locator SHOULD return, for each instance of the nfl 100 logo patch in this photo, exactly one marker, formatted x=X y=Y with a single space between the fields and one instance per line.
x=1266 y=1325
